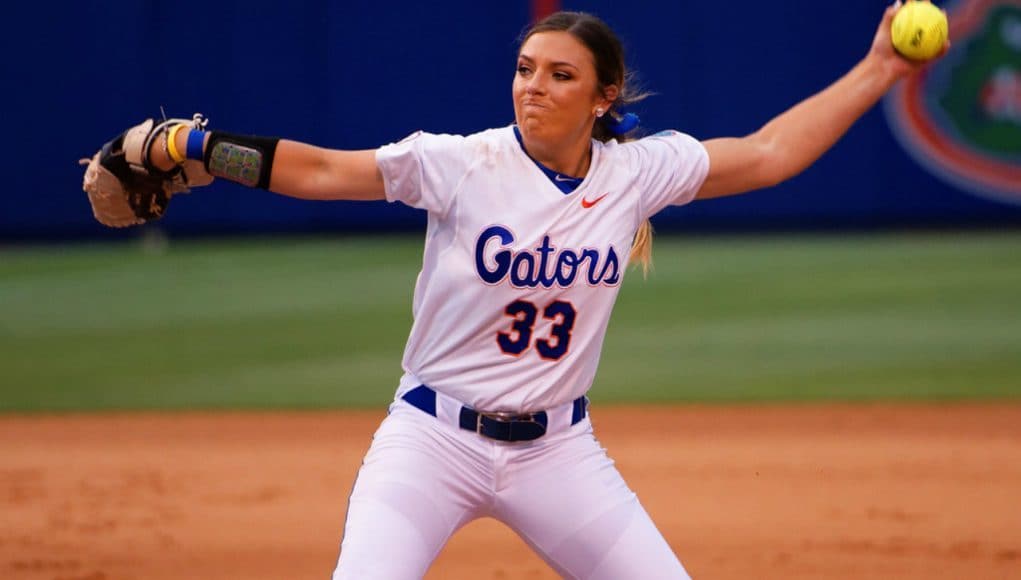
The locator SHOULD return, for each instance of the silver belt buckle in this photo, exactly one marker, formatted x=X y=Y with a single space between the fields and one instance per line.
x=503 y=417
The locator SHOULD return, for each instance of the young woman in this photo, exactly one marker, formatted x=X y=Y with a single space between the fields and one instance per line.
x=530 y=229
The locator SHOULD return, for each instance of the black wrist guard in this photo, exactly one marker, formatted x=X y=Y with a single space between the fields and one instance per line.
x=245 y=159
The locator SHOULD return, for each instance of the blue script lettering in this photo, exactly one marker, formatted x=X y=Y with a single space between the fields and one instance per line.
x=544 y=266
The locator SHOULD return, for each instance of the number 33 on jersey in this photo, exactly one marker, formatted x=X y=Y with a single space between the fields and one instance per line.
x=500 y=232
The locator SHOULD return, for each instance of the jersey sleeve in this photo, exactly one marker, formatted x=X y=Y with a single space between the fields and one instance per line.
x=671 y=168
x=423 y=170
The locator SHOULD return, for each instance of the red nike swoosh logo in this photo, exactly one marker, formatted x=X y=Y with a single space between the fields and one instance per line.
x=587 y=204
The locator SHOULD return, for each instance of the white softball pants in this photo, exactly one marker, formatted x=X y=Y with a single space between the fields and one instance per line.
x=424 y=479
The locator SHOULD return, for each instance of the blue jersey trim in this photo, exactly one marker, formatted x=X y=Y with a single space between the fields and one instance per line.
x=422 y=397
x=565 y=183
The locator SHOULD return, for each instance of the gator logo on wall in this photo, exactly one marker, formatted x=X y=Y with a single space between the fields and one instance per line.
x=961 y=117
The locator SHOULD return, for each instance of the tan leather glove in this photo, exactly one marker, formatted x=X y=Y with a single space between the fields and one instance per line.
x=125 y=189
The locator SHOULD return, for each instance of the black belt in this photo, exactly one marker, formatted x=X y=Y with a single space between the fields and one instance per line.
x=500 y=426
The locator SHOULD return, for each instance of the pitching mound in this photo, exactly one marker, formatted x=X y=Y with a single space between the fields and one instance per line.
x=740 y=492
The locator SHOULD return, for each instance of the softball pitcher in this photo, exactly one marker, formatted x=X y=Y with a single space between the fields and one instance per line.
x=530 y=230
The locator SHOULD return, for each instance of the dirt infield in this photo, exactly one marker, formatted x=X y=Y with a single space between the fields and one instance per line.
x=740 y=492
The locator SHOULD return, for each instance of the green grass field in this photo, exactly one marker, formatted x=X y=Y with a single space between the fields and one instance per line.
x=313 y=323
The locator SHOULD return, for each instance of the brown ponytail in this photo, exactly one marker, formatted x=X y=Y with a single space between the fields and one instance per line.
x=641 y=247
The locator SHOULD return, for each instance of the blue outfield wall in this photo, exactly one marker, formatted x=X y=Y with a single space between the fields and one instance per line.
x=357 y=75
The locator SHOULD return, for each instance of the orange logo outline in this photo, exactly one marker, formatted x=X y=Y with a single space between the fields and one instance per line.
x=587 y=204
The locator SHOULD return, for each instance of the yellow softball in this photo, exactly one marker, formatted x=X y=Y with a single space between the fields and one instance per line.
x=919 y=30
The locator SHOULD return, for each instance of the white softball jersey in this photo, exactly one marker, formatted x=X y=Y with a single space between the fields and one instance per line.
x=518 y=278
